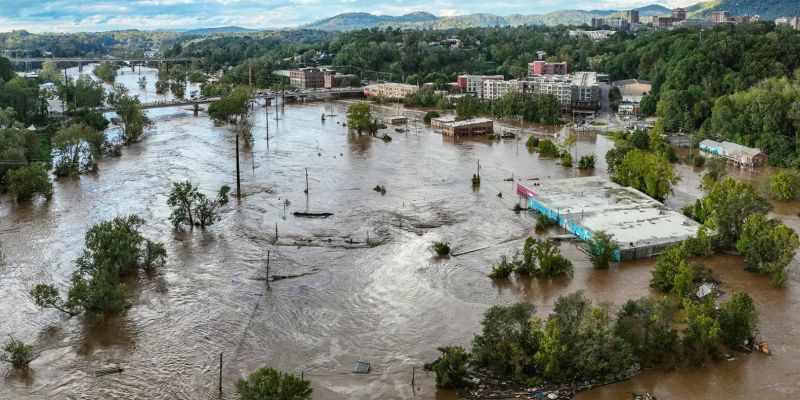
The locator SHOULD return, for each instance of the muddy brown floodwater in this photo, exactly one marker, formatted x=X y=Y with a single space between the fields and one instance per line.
x=389 y=302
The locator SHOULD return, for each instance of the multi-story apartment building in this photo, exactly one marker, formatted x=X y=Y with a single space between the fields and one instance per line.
x=538 y=68
x=494 y=89
x=390 y=90
x=678 y=14
x=794 y=22
x=721 y=16
x=307 y=78
x=557 y=85
x=632 y=16
x=585 y=91
x=663 y=22
x=474 y=83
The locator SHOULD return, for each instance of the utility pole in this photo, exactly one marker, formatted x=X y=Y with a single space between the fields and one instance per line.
x=306 y=191
x=250 y=75
x=238 y=178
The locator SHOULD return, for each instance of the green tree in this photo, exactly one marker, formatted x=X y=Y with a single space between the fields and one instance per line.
x=738 y=318
x=666 y=269
x=701 y=337
x=130 y=115
x=601 y=249
x=548 y=148
x=451 y=368
x=77 y=147
x=50 y=72
x=466 y=107
x=115 y=249
x=107 y=72
x=359 y=118
x=647 y=325
x=18 y=354
x=191 y=207
x=729 y=203
x=648 y=173
x=768 y=246
x=430 y=115
x=233 y=107
x=28 y=181
x=683 y=284
x=507 y=343
x=783 y=185
x=267 y=383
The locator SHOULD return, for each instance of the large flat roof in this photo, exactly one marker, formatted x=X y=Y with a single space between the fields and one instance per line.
x=598 y=204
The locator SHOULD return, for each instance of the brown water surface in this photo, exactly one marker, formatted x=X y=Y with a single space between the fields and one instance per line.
x=389 y=302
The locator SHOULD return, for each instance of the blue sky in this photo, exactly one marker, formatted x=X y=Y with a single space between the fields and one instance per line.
x=96 y=15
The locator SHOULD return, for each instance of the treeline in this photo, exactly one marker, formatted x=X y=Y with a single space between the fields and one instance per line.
x=584 y=342
x=89 y=44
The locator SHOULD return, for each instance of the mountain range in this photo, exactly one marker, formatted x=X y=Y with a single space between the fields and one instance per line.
x=767 y=9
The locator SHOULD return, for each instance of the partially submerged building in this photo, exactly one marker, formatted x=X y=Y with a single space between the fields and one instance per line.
x=583 y=206
x=469 y=127
x=735 y=153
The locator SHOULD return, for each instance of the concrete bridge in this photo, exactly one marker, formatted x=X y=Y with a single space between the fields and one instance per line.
x=319 y=94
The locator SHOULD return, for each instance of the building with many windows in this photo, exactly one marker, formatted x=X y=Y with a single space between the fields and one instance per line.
x=469 y=127
x=632 y=16
x=794 y=22
x=390 y=90
x=678 y=14
x=538 y=68
x=721 y=16
x=474 y=83
x=494 y=89
x=307 y=78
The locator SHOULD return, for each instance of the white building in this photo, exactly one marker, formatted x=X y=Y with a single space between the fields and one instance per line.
x=794 y=22
x=390 y=90
x=494 y=89
x=474 y=83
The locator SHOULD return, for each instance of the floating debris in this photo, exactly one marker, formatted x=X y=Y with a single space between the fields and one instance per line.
x=312 y=215
x=361 y=368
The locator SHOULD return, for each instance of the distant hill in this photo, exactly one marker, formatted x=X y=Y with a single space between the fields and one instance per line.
x=221 y=29
x=351 y=21
x=767 y=9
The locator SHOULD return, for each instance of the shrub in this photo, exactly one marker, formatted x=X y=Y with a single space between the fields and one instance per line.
x=548 y=148
x=601 y=249
x=566 y=159
x=268 y=384
x=451 y=368
x=441 y=248
x=430 y=115
x=699 y=161
x=586 y=161
x=543 y=222
x=18 y=354
x=476 y=180
x=532 y=142
x=502 y=270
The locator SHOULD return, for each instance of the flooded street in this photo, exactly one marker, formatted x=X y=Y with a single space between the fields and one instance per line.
x=369 y=287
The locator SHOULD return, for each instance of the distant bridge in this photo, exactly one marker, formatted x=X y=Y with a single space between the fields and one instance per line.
x=295 y=95
x=23 y=60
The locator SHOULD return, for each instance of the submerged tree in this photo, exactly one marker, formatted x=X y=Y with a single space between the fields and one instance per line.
x=359 y=118
x=28 y=181
x=270 y=384
x=130 y=115
x=768 y=246
x=18 y=354
x=115 y=249
x=451 y=368
x=77 y=147
x=602 y=247
x=191 y=207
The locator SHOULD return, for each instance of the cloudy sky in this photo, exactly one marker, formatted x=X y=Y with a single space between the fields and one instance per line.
x=98 y=15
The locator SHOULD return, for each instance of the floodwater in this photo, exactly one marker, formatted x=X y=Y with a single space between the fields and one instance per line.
x=388 y=302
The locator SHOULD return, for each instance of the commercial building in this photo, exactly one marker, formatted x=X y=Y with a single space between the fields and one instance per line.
x=474 y=83
x=678 y=14
x=721 y=16
x=735 y=153
x=307 y=78
x=632 y=16
x=632 y=91
x=396 y=120
x=584 y=206
x=585 y=91
x=794 y=22
x=538 y=68
x=440 y=122
x=334 y=79
x=390 y=90
x=663 y=22
x=469 y=127
x=695 y=23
